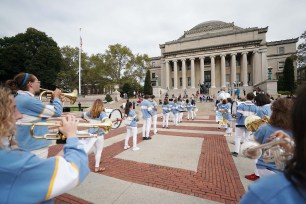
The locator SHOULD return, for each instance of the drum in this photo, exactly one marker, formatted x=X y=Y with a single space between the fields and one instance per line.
x=113 y=114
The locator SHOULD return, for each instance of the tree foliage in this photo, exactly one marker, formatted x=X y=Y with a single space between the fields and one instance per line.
x=288 y=75
x=147 y=89
x=33 y=52
x=301 y=52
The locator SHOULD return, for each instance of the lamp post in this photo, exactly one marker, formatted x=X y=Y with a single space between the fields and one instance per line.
x=156 y=77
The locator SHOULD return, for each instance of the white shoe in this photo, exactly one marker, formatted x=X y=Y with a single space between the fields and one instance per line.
x=136 y=148
x=126 y=147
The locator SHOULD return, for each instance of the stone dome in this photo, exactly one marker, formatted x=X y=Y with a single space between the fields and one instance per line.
x=212 y=26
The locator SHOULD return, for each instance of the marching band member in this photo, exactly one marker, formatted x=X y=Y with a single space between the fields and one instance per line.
x=154 y=113
x=146 y=108
x=279 y=120
x=33 y=110
x=26 y=178
x=95 y=115
x=189 y=109
x=166 y=113
x=263 y=104
x=228 y=117
x=174 y=110
x=180 y=109
x=243 y=110
x=194 y=108
x=131 y=128
x=288 y=186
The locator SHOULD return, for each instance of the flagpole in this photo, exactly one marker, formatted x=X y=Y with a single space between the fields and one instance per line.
x=80 y=52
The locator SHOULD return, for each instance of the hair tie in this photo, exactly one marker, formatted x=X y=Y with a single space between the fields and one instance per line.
x=25 y=79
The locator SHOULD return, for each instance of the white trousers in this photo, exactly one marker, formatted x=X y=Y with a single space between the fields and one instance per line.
x=241 y=135
x=131 y=131
x=166 y=119
x=146 y=127
x=175 y=118
x=190 y=114
x=154 y=119
x=181 y=116
x=96 y=145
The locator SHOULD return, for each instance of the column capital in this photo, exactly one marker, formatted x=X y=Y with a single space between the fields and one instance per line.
x=255 y=51
x=222 y=55
x=192 y=59
x=175 y=60
x=167 y=61
x=202 y=57
x=212 y=56
x=244 y=52
x=233 y=54
x=184 y=59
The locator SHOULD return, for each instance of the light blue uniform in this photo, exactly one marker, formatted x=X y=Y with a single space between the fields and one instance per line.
x=33 y=110
x=145 y=107
x=189 y=106
x=166 y=108
x=25 y=178
x=264 y=110
x=154 y=107
x=101 y=117
x=133 y=115
x=261 y=135
x=276 y=189
x=243 y=110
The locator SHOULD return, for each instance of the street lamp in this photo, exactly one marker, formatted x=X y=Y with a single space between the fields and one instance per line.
x=156 y=77
x=270 y=73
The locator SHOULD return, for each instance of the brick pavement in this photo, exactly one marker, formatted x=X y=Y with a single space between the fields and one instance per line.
x=216 y=177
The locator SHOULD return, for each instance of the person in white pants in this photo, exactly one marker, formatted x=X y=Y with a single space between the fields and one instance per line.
x=146 y=109
x=189 y=109
x=154 y=113
x=166 y=112
x=131 y=126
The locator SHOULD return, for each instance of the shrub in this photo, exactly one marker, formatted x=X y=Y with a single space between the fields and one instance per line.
x=108 y=98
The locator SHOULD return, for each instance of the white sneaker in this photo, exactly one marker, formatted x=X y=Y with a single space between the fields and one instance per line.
x=126 y=147
x=136 y=148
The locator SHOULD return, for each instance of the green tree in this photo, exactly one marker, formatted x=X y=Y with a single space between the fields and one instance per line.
x=32 y=51
x=288 y=75
x=147 y=89
x=301 y=52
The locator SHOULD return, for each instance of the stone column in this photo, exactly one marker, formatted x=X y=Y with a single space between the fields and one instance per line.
x=264 y=66
x=213 y=75
x=256 y=67
x=244 y=74
x=167 y=75
x=223 y=85
x=175 y=74
x=192 y=73
x=184 y=74
x=233 y=69
x=202 y=69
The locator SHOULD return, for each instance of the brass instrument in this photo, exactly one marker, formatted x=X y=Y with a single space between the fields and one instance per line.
x=71 y=96
x=278 y=151
x=105 y=126
x=253 y=122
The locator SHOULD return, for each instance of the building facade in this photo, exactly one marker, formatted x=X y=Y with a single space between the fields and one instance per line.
x=220 y=55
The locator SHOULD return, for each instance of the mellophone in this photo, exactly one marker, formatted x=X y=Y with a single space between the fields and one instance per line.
x=105 y=126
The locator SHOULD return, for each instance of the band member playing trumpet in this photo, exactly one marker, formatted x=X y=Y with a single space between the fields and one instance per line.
x=288 y=186
x=95 y=115
x=279 y=120
x=26 y=178
x=26 y=85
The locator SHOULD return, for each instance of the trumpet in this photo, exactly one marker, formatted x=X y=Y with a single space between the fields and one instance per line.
x=253 y=122
x=104 y=126
x=71 y=96
x=278 y=151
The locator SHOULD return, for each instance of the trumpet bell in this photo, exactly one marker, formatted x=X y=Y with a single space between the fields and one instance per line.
x=71 y=96
x=253 y=122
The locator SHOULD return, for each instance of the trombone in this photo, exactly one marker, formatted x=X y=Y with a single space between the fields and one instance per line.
x=104 y=126
x=71 y=96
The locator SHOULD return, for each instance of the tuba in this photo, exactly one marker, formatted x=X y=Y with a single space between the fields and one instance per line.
x=278 y=151
x=64 y=96
x=253 y=122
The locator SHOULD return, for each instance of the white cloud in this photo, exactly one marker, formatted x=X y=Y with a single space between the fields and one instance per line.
x=143 y=25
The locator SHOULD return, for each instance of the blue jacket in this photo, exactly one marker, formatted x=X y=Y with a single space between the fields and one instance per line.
x=243 y=110
x=33 y=110
x=99 y=119
x=154 y=107
x=260 y=136
x=166 y=108
x=26 y=178
x=264 y=110
x=276 y=189
x=134 y=118
x=146 y=108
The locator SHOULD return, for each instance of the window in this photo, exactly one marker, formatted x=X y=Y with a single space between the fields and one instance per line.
x=153 y=64
x=181 y=81
x=189 y=81
x=281 y=50
x=153 y=75
x=238 y=63
x=172 y=68
x=172 y=82
x=227 y=63
x=281 y=65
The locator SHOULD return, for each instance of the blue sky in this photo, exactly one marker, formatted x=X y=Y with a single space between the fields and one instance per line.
x=142 y=25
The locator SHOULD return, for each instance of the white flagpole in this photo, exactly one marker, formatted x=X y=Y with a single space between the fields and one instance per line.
x=80 y=52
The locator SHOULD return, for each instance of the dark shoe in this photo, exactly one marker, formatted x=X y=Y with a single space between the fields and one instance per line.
x=144 y=138
x=235 y=154
x=252 y=177
x=148 y=138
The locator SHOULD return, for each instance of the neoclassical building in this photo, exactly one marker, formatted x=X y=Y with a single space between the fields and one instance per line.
x=219 y=55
